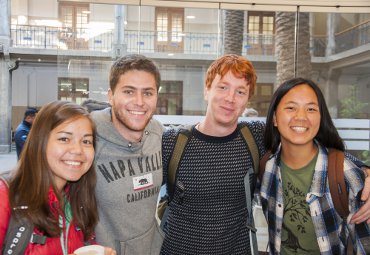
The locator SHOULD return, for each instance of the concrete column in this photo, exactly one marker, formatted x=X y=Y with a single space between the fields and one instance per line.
x=5 y=81
x=330 y=47
x=119 y=32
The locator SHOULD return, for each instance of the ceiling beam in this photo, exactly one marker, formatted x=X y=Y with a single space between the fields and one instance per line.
x=329 y=6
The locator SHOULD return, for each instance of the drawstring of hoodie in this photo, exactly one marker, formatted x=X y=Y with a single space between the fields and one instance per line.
x=64 y=223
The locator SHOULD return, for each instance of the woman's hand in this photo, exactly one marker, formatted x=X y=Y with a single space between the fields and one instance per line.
x=109 y=251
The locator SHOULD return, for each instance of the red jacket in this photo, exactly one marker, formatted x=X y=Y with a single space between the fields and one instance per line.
x=52 y=245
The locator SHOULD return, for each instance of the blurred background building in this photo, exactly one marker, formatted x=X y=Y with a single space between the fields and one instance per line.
x=63 y=50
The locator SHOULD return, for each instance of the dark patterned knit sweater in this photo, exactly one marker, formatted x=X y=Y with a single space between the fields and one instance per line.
x=208 y=213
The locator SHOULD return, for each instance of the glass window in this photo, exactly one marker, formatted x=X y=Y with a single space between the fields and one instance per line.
x=75 y=21
x=73 y=89
x=260 y=31
x=162 y=23
x=170 y=27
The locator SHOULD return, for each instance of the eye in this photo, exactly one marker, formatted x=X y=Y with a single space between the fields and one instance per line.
x=148 y=93
x=312 y=109
x=128 y=92
x=63 y=139
x=241 y=92
x=289 y=108
x=87 y=141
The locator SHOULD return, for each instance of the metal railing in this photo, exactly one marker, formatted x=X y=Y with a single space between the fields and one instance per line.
x=353 y=37
x=348 y=39
x=24 y=36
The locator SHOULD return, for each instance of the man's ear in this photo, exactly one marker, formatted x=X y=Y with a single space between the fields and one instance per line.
x=110 y=96
x=274 y=120
x=205 y=92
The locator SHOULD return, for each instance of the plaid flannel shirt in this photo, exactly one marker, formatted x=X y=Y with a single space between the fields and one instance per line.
x=331 y=230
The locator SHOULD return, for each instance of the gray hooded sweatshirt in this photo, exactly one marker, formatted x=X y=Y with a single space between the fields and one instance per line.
x=129 y=177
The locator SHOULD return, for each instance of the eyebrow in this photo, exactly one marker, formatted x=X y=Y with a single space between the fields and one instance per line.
x=70 y=133
x=64 y=132
x=295 y=102
x=135 y=88
x=229 y=83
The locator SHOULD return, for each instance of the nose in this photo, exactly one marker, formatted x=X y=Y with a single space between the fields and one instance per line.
x=230 y=97
x=301 y=114
x=76 y=148
x=139 y=99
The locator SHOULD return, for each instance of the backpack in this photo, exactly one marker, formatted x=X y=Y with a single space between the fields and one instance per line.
x=338 y=190
x=20 y=231
x=337 y=186
x=182 y=139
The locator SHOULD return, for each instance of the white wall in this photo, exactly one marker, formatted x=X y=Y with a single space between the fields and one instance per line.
x=42 y=8
x=34 y=85
x=102 y=12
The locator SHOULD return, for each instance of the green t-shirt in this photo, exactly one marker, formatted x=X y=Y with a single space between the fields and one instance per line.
x=298 y=233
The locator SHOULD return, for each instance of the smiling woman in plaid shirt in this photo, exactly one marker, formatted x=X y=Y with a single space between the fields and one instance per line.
x=295 y=192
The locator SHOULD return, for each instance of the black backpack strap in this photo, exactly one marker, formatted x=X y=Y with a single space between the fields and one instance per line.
x=337 y=186
x=19 y=235
x=249 y=140
x=182 y=140
x=251 y=143
x=20 y=231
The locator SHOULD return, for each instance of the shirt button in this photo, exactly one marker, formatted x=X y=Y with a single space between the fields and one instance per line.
x=146 y=132
x=130 y=145
x=279 y=205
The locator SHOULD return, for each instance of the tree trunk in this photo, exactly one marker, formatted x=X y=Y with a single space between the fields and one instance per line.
x=233 y=31
x=285 y=44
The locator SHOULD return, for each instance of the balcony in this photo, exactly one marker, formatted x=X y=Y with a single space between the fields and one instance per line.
x=188 y=43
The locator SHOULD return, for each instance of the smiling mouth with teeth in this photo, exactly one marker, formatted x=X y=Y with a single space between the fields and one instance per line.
x=299 y=129
x=137 y=113
x=73 y=163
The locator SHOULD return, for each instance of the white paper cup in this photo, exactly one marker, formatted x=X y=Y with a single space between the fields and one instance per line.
x=90 y=250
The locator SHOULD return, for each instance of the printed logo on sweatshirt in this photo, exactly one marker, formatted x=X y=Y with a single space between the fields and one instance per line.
x=142 y=182
x=118 y=169
x=143 y=194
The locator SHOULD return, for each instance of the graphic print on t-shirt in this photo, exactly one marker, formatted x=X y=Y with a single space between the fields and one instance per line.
x=142 y=182
x=141 y=176
x=298 y=234
x=297 y=215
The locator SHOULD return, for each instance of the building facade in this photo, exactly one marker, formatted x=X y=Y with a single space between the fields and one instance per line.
x=63 y=50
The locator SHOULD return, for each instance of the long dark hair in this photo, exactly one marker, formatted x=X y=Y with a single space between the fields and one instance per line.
x=327 y=135
x=33 y=177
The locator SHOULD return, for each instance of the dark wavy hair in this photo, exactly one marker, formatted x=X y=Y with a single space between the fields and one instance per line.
x=33 y=178
x=327 y=135
x=133 y=62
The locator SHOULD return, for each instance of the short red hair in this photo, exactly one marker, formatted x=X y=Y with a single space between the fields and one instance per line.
x=238 y=65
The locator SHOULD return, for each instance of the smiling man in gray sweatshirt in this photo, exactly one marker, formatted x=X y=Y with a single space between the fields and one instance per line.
x=128 y=159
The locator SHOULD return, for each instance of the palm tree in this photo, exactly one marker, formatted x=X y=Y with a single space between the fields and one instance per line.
x=286 y=67
x=233 y=31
